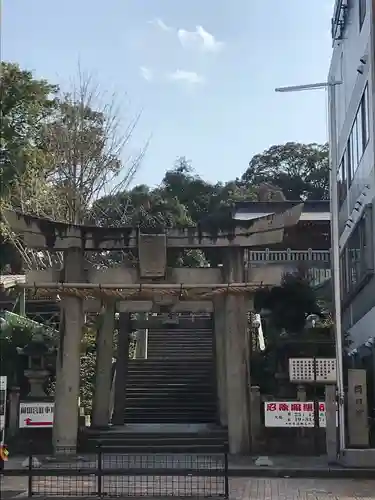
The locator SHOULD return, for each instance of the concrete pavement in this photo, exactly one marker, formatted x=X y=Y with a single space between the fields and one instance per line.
x=259 y=489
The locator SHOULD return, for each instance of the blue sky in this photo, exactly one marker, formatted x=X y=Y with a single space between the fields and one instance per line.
x=202 y=71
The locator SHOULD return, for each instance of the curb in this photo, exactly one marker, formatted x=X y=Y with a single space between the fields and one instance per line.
x=282 y=472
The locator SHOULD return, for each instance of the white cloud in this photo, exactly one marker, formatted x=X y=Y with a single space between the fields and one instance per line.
x=200 y=38
x=190 y=77
x=161 y=24
x=146 y=73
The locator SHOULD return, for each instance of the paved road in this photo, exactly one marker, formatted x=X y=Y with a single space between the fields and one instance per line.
x=261 y=489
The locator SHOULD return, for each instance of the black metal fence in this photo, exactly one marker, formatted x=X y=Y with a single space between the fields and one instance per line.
x=110 y=474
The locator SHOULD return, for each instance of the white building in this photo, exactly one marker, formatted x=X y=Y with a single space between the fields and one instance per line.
x=353 y=64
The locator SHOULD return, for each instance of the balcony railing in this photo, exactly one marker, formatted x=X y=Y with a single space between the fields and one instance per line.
x=277 y=256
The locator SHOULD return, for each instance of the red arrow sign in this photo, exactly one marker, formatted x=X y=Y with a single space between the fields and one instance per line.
x=30 y=423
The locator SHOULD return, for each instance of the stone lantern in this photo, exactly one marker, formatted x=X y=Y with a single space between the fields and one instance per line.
x=36 y=351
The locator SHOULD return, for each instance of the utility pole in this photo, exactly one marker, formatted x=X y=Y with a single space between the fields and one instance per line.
x=330 y=87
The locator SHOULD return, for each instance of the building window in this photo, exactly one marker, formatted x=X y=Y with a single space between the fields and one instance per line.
x=365 y=117
x=362 y=12
x=359 y=136
x=351 y=158
x=357 y=259
x=343 y=276
x=341 y=182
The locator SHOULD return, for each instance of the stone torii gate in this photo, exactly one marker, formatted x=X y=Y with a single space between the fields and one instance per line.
x=148 y=287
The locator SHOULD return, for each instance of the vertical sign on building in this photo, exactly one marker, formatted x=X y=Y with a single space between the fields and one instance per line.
x=357 y=408
x=3 y=403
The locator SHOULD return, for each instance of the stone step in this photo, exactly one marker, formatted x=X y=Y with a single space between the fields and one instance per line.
x=176 y=342
x=178 y=335
x=175 y=386
x=168 y=406
x=170 y=403
x=207 y=381
x=171 y=355
x=207 y=441
x=156 y=413
x=132 y=432
x=163 y=448
x=186 y=348
x=181 y=336
x=170 y=419
x=182 y=351
x=194 y=344
x=154 y=393
x=164 y=366
x=136 y=374
x=181 y=362
x=169 y=373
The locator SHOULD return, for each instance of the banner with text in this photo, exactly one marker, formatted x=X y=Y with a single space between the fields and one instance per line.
x=292 y=414
x=36 y=415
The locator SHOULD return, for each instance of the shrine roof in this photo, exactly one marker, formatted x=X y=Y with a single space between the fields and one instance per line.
x=311 y=211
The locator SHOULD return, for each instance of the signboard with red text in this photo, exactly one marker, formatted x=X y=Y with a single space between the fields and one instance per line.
x=36 y=415
x=292 y=414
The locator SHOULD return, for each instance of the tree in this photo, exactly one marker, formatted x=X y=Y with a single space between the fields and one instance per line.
x=301 y=171
x=83 y=144
x=290 y=303
x=183 y=199
x=86 y=142
x=25 y=105
x=198 y=196
x=140 y=207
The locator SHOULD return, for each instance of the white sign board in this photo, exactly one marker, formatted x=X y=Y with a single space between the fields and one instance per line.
x=36 y=415
x=292 y=414
x=326 y=370
x=3 y=404
x=3 y=383
x=319 y=370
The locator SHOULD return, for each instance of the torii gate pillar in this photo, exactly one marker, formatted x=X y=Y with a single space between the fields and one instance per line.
x=237 y=378
x=66 y=410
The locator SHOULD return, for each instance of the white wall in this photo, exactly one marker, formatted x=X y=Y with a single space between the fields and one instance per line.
x=356 y=43
x=346 y=57
x=363 y=329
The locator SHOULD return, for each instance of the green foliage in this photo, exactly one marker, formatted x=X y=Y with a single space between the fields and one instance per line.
x=182 y=200
x=87 y=368
x=199 y=197
x=88 y=363
x=289 y=304
x=140 y=207
x=25 y=104
x=11 y=363
x=301 y=171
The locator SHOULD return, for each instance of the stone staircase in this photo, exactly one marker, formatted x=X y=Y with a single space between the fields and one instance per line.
x=171 y=401
x=177 y=383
